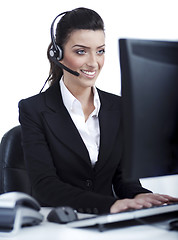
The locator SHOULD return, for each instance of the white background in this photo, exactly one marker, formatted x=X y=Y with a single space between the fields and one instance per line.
x=25 y=36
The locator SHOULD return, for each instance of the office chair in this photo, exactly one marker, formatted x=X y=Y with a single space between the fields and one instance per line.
x=13 y=175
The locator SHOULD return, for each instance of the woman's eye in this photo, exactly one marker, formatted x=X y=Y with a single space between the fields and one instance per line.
x=81 y=52
x=102 y=51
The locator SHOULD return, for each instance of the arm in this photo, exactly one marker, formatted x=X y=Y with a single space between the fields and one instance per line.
x=132 y=195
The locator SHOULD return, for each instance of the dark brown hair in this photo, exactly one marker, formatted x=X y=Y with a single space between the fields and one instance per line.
x=79 y=18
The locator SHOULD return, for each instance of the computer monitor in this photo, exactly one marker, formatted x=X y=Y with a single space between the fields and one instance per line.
x=149 y=89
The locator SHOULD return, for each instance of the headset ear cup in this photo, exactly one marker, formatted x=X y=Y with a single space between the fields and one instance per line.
x=56 y=52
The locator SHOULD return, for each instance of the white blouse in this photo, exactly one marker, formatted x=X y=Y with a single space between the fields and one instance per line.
x=89 y=130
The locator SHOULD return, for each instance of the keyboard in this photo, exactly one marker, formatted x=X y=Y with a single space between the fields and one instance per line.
x=125 y=216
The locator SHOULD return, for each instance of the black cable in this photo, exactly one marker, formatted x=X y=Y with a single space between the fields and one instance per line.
x=45 y=83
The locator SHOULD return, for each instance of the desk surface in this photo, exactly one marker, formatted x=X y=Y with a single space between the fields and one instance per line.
x=53 y=231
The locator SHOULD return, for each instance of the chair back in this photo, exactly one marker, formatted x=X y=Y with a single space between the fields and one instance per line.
x=13 y=174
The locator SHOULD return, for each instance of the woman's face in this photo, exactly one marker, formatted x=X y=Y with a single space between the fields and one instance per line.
x=84 y=53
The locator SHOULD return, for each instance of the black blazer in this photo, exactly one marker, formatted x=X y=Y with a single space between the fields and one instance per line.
x=58 y=161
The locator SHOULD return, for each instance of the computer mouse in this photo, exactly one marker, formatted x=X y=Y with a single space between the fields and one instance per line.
x=62 y=215
x=173 y=225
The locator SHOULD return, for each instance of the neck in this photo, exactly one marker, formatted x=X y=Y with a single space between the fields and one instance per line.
x=87 y=105
x=86 y=100
x=85 y=96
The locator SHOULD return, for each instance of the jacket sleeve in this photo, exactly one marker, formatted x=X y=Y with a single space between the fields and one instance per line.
x=48 y=189
x=126 y=188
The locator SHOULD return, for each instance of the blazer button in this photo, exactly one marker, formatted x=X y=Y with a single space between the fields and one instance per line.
x=89 y=184
x=80 y=210
x=88 y=210
x=95 y=211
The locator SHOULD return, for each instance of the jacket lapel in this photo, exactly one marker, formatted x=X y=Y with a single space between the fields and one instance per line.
x=61 y=124
x=109 y=118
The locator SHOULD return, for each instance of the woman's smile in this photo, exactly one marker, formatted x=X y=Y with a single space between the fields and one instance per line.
x=88 y=73
x=84 y=53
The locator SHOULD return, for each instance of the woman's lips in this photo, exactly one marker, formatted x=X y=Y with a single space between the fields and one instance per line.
x=90 y=74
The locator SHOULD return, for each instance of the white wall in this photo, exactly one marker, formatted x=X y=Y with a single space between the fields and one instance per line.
x=25 y=26
x=163 y=184
x=24 y=38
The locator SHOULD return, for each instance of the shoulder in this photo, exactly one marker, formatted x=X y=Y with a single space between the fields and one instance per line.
x=40 y=99
x=32 y=101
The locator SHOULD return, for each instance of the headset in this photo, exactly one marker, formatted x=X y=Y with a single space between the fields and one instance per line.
x=56 y=52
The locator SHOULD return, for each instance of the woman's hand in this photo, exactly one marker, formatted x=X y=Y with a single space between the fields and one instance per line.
x=125 y=204
x=144 y=200
x=156 y=199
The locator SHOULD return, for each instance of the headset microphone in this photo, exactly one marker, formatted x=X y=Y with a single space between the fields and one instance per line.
x=53 y=58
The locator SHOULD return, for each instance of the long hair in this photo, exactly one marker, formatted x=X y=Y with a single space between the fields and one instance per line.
x=77 y=19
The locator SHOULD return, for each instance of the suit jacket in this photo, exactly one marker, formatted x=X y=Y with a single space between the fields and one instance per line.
x=58 y=162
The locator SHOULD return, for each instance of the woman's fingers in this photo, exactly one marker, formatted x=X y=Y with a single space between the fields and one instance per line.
x=125 y=204
x=144 y=200
x=156 y=199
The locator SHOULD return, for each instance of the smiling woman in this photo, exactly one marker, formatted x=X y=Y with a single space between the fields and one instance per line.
x=84 y=53
x=72 y=132
x=71 y=22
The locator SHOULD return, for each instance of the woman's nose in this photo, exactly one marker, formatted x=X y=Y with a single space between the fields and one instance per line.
x=92 y=60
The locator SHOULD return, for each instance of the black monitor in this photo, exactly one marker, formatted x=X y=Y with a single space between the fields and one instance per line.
x=149 y=89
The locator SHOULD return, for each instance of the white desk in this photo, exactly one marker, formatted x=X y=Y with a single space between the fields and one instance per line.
x=52 y=231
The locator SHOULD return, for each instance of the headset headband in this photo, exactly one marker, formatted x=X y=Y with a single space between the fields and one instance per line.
x=55 y=47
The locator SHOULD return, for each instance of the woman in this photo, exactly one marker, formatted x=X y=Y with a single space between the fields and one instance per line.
x=72 y=132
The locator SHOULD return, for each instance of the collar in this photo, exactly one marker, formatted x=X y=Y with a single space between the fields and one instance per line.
x=69 y=100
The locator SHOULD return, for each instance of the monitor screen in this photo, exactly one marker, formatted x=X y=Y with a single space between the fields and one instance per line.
x=149 y=88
